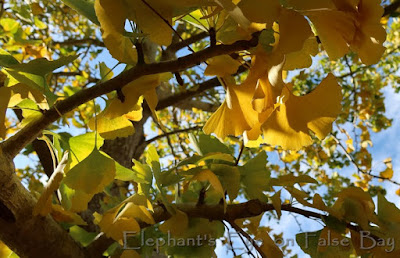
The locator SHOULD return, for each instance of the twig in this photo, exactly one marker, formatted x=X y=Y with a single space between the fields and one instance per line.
x=243 y=233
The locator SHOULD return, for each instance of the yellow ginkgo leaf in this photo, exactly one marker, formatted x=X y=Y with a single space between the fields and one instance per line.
x=289 y=125
x=112 y=16
x=112 y=128
x=388 y=172
x=335 y=36
x=269 y=246
x=131 y=94
x=130 y=254
x=310 y=4
x=293 y=31
x=262 y=11
x=88 y=178
x=115 y=228
x=221 y=66
x=208 y=175
x=302 y=58
x=5 y=94
x=22 y=91
x=59 y=214
x=152 y=17
x=370 y=34
x=140 y=212
x=176 y=225
x=355 y=205
x=79 y=200
x=120 y=47
x=277 y=203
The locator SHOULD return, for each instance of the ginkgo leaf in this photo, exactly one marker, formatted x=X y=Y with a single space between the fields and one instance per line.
x=335 y=36
x=5 y=94
x=132 y=210
x=176 y=225
x=229 y=177
x=112 y=128
x=22 y=91
x=255 y=176
x=269 y=246
x=208 y=175
x=59 y=214
x=291 y=179
x=112 y=16
x=293 y=31
x=261 y=12
x=302 y=58
x=237 y=105
x=82 y=236
x=81 y=146
x=130 y=254
x=115 y=228
x=370 y=34
x=277 y=203
x=120 y=47
x=289 y=125
x=147 y=15
x=85 y=8
x=387 y=211
x=356 y=205
x=88 y=178
x=221 y=66
x=74 y=200
x=132 y=92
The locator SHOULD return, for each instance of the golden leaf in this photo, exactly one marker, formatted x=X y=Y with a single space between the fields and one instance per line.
x=176 y=225
x=221 y=66
x=289 y=125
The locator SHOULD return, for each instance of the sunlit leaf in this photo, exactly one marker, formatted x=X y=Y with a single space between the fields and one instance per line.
x=88 y=178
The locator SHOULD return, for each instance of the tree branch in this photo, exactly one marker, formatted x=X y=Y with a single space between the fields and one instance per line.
x=251 y=208
x=16 y=143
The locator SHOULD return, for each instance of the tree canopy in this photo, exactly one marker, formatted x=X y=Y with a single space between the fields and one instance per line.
x=148 y=128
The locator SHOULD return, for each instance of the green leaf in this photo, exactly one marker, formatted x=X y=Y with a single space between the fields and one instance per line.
x=124 y=174
x=82 y=236
x=266 y=39
x=42 y=66
x=229 y=177
x=85 y=8
x=9 y=25
x=6 y=59
x=105 y=72
x=92 y=174
x=169 y=178
x=81 y=146
x=387 y=211
x=255 y=176
x=205 y=144
x=290 y=180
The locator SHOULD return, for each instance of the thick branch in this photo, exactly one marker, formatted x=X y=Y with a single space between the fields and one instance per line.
x=247 y=209
x=25 y=234
x=16 y=143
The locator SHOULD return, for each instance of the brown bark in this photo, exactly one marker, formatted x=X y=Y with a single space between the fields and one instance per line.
x=28 y=235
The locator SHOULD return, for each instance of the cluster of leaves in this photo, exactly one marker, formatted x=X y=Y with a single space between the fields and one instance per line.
x=262 y=113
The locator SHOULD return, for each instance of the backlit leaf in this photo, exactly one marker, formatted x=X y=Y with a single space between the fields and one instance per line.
x=89 y=178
